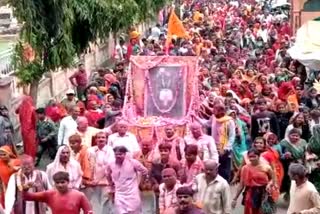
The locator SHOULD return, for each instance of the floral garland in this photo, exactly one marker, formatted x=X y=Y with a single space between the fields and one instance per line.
x=21 y=176
x=163 y=111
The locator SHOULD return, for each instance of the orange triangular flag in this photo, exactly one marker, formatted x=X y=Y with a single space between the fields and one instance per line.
x=175 y=27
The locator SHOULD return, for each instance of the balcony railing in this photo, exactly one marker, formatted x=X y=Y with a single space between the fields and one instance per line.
x=6 y=67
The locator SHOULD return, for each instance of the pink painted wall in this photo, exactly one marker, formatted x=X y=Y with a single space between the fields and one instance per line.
x=299 y=17
x=305 y=16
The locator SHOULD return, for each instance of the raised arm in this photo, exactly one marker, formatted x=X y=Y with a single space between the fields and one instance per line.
x=203 y=122
x=213 y=152
x=36 y=196
x=71 y=79
x=139 y=167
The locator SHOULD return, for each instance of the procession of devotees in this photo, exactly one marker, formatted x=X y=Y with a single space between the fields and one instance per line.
x=257 y=128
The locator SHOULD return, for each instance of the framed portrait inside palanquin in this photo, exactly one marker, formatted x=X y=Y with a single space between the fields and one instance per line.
x=165 y=91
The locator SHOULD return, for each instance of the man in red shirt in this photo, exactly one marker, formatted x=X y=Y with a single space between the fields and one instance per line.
x=81 y=81
x=62 y=200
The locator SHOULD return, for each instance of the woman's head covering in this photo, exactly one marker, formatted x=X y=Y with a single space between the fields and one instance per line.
x=242 y=111
x=294 y=117
x=284 y=90
x=134 y=35
x=91 y=104
x=7 y=149
x=230 y=111
x=102 y=89
x=56 y=160
x=314 y=142
x=234 y=95
x=268 y=134
x=72 y=165
x=110 y=78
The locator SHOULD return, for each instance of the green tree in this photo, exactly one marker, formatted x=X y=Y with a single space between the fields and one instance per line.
x=59 y=30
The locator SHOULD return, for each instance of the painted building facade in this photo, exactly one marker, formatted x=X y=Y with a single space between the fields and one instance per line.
x=303 y=11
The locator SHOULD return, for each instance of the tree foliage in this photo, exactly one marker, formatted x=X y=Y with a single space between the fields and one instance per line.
x=58 y=30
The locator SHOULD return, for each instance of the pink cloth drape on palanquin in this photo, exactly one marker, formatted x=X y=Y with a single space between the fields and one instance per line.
x=135 y=97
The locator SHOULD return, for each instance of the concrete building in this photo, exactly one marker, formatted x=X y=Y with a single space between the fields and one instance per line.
x=304 y=10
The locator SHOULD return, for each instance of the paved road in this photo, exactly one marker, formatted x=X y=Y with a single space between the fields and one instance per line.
x=282 y=207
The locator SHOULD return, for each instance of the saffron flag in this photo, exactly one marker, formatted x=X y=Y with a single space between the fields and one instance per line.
x=175 y=27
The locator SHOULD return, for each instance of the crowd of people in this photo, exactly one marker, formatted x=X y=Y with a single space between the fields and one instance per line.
x=257 y=127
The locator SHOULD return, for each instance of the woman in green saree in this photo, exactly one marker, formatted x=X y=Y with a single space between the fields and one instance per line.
x=314 y=147
x=240 y=144
x=293 y=151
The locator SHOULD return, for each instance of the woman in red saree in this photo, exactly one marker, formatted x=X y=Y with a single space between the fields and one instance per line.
x=93 y=114
x=27 y=116
x=257 y=180
x=272 y=155
x=82 y=108
x=55 y=111
x=109 y=79
x=8 y=165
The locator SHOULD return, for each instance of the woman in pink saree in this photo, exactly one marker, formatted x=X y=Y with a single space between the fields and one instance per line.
x=27 y=116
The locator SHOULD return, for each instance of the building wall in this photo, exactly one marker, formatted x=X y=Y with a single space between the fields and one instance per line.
x=300 y=15
x=56 y=86
x=11 y=93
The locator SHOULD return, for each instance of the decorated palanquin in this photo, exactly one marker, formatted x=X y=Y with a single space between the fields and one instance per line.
x=161 y=91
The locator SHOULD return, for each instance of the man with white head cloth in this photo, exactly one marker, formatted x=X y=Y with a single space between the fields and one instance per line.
x=124 y=138
x=63 y=162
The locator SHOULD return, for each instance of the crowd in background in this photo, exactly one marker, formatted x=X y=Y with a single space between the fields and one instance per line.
x=257 y=127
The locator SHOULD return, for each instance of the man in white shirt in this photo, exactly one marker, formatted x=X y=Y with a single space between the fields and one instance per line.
x=304 y=197
x=68 y=126
x=212 y=191
x=124 y=138
x=30 y=179
x=263 y=32
x=168 y=198
x=85 y=131
x=205 y=143
x=121 y=50
x=155 y=32
x=100 y=156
